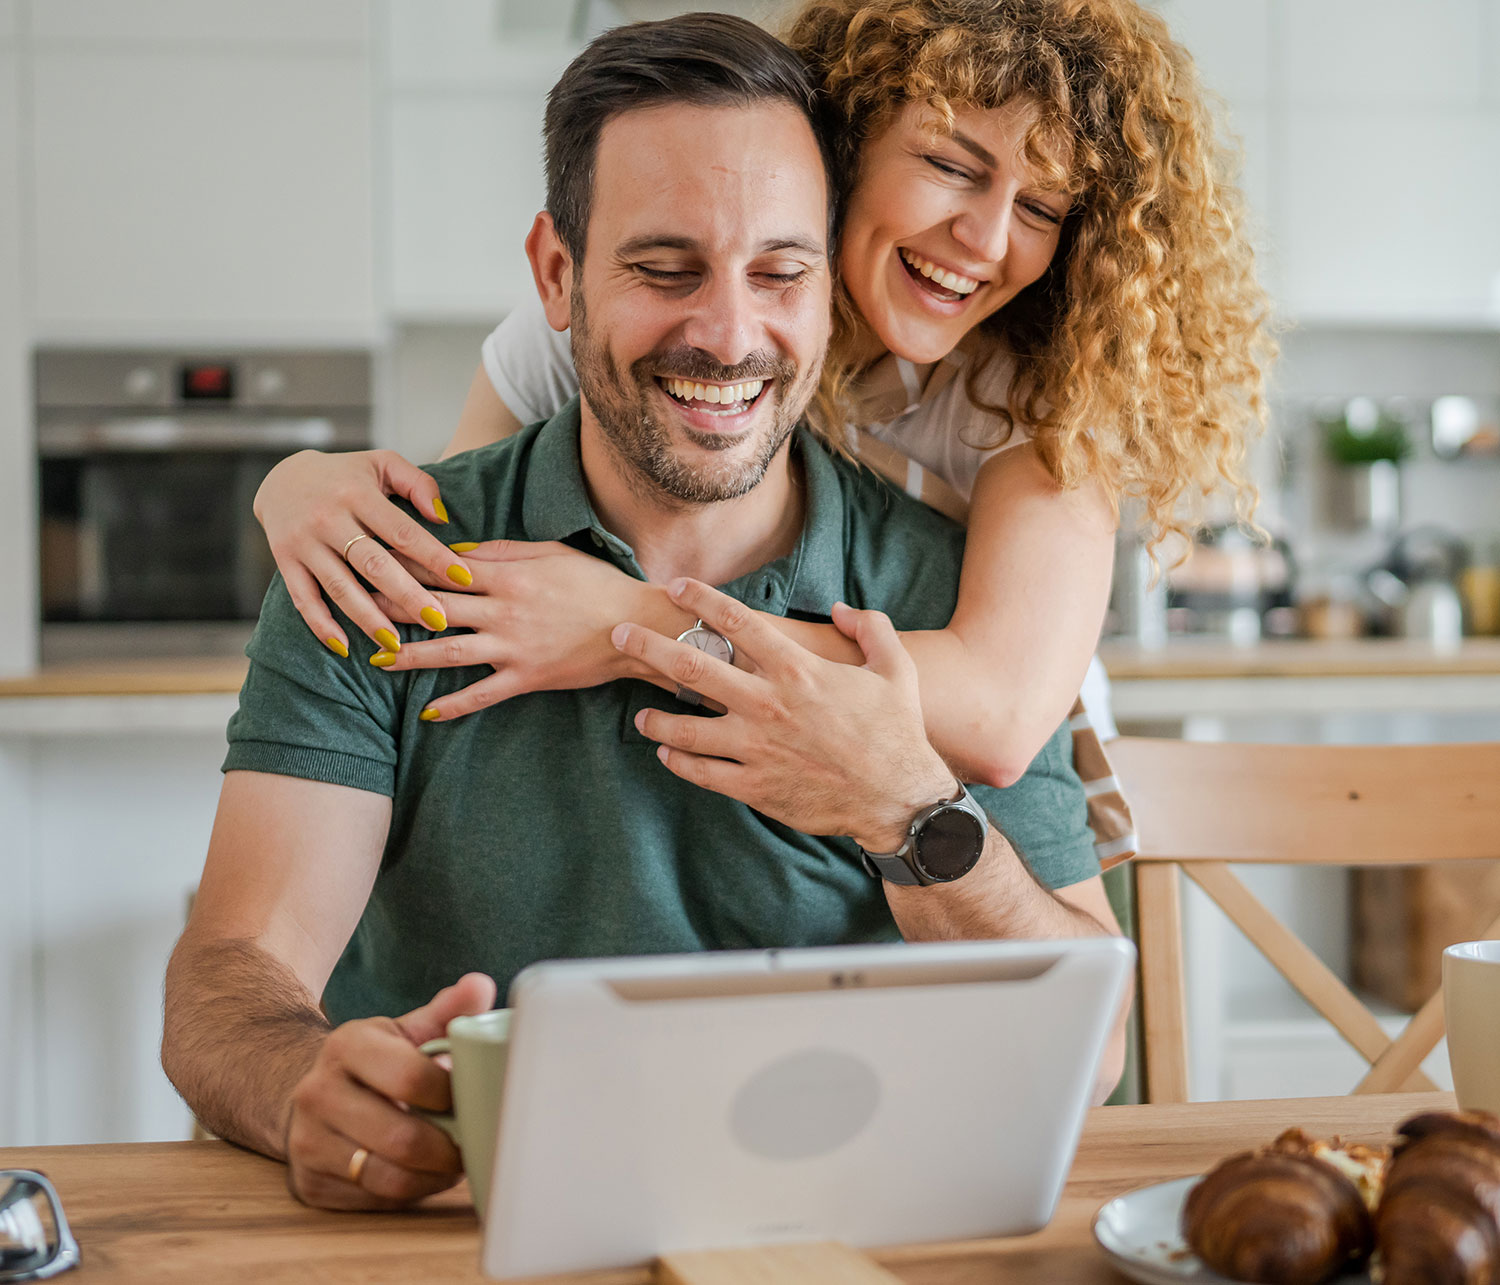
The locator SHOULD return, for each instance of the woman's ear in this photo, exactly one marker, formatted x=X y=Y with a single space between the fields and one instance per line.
x=552 y=270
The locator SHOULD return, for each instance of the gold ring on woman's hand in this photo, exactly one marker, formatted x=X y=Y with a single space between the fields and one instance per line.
x=363 y=535
x=357 y=1165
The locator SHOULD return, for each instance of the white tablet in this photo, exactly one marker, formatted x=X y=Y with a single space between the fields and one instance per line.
x=874 y=1095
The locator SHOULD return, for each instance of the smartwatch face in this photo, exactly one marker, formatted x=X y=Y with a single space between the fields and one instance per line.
x=949 y=844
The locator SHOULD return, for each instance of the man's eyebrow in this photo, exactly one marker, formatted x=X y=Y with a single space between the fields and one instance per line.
x=969 y=144
x=660 y=241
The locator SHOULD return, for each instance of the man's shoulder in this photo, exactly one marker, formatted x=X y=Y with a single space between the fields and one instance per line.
x=899 y=555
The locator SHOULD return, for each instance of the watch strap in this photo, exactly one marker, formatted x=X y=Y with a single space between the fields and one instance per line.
x=900 y=867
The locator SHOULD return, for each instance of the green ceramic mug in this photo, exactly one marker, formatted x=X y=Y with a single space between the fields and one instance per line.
x=1471 y=1003
x=478 y=1047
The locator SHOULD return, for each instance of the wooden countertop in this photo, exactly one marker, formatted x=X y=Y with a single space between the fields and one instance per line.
x=1186 y=658
x=1299 y=658
x=196 y=1211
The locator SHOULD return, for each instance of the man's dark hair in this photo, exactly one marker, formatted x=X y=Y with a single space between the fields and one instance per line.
x=706 y=59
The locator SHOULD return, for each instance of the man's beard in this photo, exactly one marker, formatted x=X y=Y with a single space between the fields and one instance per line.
x=621 y=404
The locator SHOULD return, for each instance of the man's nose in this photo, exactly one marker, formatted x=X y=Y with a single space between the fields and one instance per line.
x=983 y=228
x=725 y=320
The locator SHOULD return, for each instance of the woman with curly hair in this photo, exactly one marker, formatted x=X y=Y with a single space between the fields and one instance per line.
x=1047 y=306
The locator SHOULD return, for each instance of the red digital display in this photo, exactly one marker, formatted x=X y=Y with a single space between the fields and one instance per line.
x=211 y=383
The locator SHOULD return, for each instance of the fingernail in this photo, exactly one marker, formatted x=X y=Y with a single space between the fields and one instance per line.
x=383 y=659
x=440 y=509
x=430 y=714
x=618 y=634
x=388 y=640
x=434 y=619
x=677 y=587
x=337 y=648
x=460 y=575
x=464 y=546
x=640 y=720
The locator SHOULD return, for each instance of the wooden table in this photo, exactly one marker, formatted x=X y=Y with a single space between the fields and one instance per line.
x=205 y=1211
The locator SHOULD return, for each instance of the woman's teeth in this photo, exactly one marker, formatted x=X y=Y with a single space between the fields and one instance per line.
x=960 y=285
x=730 y=399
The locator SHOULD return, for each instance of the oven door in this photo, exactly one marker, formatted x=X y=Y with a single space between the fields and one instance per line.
x=168 y=537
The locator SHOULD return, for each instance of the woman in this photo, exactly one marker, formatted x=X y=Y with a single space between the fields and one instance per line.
x=1047 y=302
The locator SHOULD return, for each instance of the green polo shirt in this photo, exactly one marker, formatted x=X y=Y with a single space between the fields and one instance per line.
x=546 y=827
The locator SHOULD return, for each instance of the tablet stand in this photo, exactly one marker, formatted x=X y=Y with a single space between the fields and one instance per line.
x=824 y=1263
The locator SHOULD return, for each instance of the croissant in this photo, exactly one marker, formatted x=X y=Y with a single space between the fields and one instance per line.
x=1285 y=1214
x=1439 y=1223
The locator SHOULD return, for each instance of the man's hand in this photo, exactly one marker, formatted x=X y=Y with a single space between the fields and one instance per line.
x=356 y=1095
x=823 y=747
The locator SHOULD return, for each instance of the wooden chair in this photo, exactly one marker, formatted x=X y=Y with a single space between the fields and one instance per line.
x=1200 y=806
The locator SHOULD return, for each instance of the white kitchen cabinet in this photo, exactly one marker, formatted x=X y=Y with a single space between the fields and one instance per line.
x=1230 y=43
x=17 y=500
x=1382 y=53
x=110 y=887
x=185 y=191
x=287 y=23
x=1388 y=213
x=464 y=88
x=475 y=44
x=466 y=182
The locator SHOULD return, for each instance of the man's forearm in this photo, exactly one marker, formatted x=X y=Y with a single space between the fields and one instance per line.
x=240 y=1032
x=998 y=898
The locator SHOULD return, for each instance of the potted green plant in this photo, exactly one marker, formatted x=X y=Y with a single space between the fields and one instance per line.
x=1365 y=446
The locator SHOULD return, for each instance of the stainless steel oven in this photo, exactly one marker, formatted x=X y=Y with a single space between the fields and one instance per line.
x=148 y=464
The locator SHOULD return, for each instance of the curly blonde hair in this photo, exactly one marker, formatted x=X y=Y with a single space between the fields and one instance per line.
x=1140 y=354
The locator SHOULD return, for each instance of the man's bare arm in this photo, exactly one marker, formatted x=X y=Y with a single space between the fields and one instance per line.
x=290 y=866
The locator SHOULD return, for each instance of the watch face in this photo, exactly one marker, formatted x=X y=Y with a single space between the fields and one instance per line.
x=949 y=844
x=710 y=643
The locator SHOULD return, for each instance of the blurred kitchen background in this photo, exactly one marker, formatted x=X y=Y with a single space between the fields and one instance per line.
x=232 y=228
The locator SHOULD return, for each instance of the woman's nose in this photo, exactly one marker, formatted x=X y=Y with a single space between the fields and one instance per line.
x=984 y=229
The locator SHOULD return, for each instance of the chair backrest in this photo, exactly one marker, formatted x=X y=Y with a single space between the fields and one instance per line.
x=1199 y=806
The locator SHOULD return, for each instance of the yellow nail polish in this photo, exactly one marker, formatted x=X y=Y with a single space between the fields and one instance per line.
x=337 y=648
x=434 y=619
x=388 y=640
x=383 y=659
x=440 y=509
x=460 y=575
x=430 y=715
x=464 y=546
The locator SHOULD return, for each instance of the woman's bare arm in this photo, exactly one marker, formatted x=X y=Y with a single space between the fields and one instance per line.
x=484 y=418
x=999 y=679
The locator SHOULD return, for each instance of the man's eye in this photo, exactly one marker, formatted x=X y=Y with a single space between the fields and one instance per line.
x=670 y=276
x=784 y=278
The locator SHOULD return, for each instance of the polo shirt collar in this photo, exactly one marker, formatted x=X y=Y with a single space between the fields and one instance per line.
x=808 y=581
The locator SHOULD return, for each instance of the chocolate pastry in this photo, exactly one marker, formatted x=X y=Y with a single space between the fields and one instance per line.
x=1291 y=1213
x=1439 y=1222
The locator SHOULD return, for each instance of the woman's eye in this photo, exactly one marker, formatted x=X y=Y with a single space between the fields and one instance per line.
x=1042 y=212
x=953 y=171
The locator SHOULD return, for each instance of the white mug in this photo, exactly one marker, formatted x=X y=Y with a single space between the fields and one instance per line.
x=1471 y=1007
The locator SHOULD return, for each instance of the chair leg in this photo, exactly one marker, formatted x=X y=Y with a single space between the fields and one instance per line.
x=1163 y=994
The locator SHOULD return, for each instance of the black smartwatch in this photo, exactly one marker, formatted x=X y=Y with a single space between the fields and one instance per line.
x=943 y=843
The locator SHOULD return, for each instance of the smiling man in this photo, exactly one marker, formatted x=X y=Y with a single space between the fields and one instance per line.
x=363 y=858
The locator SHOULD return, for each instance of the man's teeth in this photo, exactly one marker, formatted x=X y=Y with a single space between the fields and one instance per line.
x=940 y=276
x=714 y=394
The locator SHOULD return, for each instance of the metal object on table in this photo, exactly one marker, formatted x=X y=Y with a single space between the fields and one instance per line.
x=35 y=1240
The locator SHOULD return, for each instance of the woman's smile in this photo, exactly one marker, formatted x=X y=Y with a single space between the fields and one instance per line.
x=945 y=228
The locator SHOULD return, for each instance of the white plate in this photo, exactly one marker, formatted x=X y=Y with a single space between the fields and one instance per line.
x=1140 y=1233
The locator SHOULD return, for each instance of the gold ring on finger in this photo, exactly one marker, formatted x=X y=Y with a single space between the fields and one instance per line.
x=363 y=535
x=357 y=1165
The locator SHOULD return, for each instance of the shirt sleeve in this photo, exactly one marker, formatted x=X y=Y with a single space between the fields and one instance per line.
x=529 y=364
x=307 y=713
x=1045 y=816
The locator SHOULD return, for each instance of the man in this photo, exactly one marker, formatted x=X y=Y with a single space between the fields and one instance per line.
x=362 y=858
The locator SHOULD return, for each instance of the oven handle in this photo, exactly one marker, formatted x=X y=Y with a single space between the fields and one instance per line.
x=155 y=434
